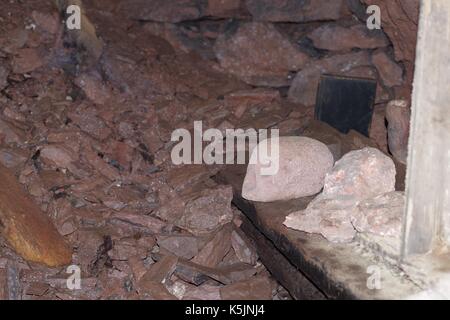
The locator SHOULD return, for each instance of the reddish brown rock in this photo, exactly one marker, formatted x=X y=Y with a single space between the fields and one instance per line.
x=160 y=271
x=11 y=134
x=12 y=158
x=330 y=217
x=182 y=246
x=93 y=87
x=400 y=22
x=27 y=60
x=304 y=87
x=381 y=215
x=359 y=175
x=390 y=72
x=58 y=156
x=378 y=128
x=139 y=222
x=28 y=230
x=3 y=284
x=398 y=115
x=259 y=54
x=240 y=101
x=337 y=38
x=88 y=121
x=208 y=210
x=225 y=8
x=243 y=247
x=216 y=249
x=295 y=10
x=154 y=291
x=257 y=288
x=203 y=292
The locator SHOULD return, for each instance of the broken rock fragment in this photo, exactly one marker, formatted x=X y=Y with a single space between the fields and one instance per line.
x=207 y=210
x=259 y=54
x=329 y=217
x=3 y=76
x=338 y=38
x=28 y=230
x=390 y=72
x=359 y=175
x=304 y=86
x=398 y=116
x=295 y=10
x=183 y=246
x=256 y=288
x=27 y=60
x=302 y=162
x=243 y=247
x=216 y=249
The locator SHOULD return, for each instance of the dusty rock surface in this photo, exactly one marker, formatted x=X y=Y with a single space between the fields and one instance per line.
x=302 y=162
x=381 y=215
x=258 y=54
x=398 y=116
x=358 y=176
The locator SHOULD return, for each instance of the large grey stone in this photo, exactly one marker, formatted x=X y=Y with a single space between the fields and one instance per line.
x=303 y=163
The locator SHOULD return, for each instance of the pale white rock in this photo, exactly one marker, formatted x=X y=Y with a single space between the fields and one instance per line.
x=381 y=215
x=359 y=176
x=302 y=162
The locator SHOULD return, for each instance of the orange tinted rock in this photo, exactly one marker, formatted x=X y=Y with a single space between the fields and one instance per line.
x=338 y=38
x=28 y=230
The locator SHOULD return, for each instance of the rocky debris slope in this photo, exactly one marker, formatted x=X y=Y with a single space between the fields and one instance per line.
x=90 y=144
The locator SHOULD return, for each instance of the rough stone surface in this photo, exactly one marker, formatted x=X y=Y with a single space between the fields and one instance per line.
x=303 y=163
x=400 y=22
x=295 y=10
x=330 y=217
x=259 y=54
x=208 y=211
x=258 y=288
x=390 y=72
x=304 y=87
x=215 y=250
x=378 y=128
x=245 y=250
x=398 y=116
x=381 y=215
x=362 y=174
x=27 y=60
x=182 y=246
x=337 y=38
x=359 y=175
